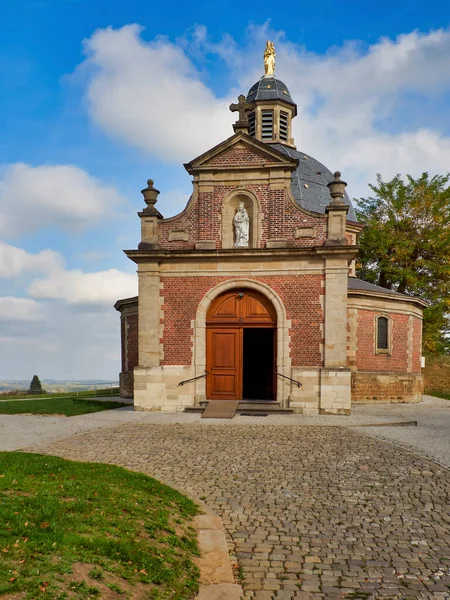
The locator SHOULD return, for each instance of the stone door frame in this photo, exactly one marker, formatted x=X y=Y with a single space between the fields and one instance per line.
x=283 y=361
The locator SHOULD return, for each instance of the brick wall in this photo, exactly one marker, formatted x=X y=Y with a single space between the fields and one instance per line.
x=280 y=220
x=202 y=220
x=299 y=294
x=130 y=360
x=240 y=156
x=366 y=357
x=129 y=342
x=385 y=388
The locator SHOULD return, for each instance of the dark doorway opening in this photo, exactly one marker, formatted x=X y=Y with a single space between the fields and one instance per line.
x=258 y=364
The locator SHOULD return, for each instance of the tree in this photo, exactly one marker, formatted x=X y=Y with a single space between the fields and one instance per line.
x=405 y=246
x=36 y=386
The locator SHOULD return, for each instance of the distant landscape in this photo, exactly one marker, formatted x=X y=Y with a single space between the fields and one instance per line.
x=54 y=386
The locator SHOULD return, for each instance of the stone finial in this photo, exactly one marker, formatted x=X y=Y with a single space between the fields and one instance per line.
x=337 y=189
x=150 y=194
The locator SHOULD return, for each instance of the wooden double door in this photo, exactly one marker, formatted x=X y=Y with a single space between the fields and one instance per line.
x=241 y=347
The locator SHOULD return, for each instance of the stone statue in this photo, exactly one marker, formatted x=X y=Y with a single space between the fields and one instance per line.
x=241 y=227
x=269 y=58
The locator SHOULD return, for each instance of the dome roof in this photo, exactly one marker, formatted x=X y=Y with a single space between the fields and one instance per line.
x=269 y=88
x=309 y=182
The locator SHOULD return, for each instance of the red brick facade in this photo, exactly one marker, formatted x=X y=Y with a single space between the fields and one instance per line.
x=129 y=346
x=129 y=326
x=298 y=254
x=202 y=220
x=386 y=388
x=300 y=295
x=367 y=357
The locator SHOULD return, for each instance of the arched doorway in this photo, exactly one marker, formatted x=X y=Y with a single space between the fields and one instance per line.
x=241 y=347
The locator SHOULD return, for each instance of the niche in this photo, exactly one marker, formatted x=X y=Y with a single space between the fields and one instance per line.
x=229 y=208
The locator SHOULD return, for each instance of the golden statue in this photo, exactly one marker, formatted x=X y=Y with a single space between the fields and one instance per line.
x=269 y=58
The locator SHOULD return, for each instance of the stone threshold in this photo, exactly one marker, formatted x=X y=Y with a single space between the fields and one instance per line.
x=216 y=575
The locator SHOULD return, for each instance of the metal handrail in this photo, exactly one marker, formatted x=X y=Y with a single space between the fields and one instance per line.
x=290 y=379
x=193 y=378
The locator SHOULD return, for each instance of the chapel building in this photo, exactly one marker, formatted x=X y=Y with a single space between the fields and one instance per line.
x=250 y=293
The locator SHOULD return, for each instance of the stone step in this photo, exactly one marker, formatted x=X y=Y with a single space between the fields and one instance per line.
x=247 y=408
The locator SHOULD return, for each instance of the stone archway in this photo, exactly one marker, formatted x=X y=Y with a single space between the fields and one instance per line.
x=241 y=347
x=283 y=360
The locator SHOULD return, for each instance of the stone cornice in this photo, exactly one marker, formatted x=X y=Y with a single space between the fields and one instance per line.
x=120 y=304
x=236 y=255
x=391 y=297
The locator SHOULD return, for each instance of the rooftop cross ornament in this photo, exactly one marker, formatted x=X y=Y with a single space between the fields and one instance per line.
x=242 y=107
x=269 y=58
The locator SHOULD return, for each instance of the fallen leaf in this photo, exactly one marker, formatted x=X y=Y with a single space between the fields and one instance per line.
x=44 y=525
x=13 y=579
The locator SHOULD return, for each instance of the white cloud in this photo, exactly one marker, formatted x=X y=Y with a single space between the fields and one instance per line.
x=55 y=195
x=150 y=95
x=344 y=95
x=15 y=261
x=72 y=343
x=76 y=287
x=19 y=309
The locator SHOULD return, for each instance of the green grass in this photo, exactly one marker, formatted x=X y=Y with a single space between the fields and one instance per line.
x=73 y=530
x=438 y=394
x=100 y=393
x=56 y=406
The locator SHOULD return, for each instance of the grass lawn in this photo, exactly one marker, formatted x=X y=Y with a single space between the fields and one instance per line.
x=87 y=530
x=56 y=406
x=81 y=394
x=438 y=394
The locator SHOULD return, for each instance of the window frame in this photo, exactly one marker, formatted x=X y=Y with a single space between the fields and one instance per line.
x=388 y=319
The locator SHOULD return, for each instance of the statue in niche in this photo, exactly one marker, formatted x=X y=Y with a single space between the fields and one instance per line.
x=241 y=223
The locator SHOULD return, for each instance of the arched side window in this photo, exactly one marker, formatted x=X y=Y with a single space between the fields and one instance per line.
x=382 y=335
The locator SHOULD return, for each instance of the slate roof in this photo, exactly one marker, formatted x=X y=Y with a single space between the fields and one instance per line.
x=269 y=88
x=358 y=284
x=309 y=182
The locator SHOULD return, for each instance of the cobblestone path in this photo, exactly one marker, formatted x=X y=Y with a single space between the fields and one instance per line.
x=312 y=512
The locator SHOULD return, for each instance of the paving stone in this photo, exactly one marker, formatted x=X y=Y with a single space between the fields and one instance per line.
x=310 y=513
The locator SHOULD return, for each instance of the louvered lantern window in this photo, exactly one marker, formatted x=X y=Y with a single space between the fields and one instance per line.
x=283 y=126
x=251 y=123
x=382 y=333
x=267 y=124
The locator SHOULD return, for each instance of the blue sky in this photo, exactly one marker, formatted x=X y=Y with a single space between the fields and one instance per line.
x=97 y=96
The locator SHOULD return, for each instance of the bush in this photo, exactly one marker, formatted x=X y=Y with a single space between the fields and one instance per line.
x=36 y=386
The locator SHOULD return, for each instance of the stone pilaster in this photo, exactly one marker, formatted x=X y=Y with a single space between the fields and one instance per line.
x=335 y=328
x=149 y=315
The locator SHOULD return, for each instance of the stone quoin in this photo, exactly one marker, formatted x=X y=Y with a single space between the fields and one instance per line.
x=252 y=287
